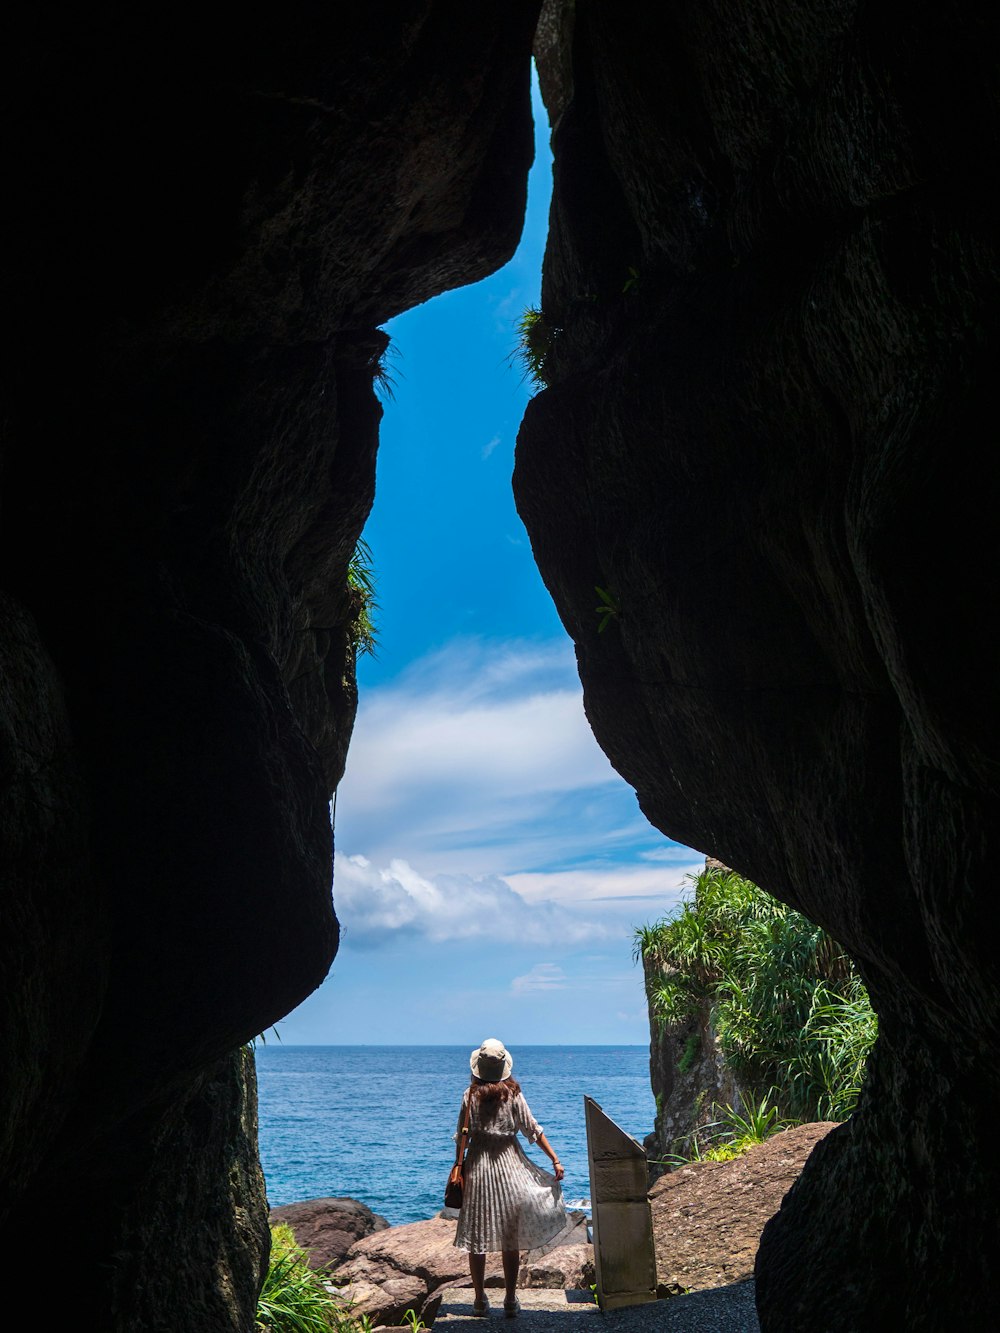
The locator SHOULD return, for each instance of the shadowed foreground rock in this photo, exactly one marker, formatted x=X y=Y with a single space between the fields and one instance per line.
x=214 y=213
x=773 y=290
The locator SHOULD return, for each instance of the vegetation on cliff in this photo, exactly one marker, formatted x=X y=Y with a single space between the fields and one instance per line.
x=793 y=1018
x=535 y=339
x=361 y=583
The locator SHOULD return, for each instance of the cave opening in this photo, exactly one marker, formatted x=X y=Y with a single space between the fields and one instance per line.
x=475 y=808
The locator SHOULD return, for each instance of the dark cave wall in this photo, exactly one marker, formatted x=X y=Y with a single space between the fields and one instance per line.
x=772 y=277
x=773 y=272
x=211 y=217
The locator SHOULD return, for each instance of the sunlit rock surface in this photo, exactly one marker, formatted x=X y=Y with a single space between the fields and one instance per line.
x=772 y=280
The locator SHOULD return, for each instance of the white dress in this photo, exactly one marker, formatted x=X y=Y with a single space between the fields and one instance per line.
x=508 y=1203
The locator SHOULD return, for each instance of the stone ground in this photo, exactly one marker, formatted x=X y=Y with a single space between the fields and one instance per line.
x=721 y=1310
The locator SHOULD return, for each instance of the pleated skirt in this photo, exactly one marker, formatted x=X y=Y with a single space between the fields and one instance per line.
x=508 y=1203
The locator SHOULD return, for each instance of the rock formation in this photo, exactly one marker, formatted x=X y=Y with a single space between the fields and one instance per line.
x=210 y=216
x=772 y=289
x=327 y=1228
x=708 y=1216
x=689 y=1078
x=771 y=279
x=412 y=1267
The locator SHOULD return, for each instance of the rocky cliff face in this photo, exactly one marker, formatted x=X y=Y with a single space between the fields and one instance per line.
x=690 y=1079
x=208 y=221
x=772 y=277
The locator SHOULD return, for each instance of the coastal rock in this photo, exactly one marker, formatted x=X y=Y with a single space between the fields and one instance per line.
x=327 y=1228
x=689 y=1077
x=395 y=1270
x=569 y=1267
x=708 y=1216
x=411 y=1267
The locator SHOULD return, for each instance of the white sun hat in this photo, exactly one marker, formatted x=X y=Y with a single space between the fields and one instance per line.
x=491 y=1062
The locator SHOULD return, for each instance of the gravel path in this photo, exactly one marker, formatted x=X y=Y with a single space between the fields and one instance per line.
x=721 y=1310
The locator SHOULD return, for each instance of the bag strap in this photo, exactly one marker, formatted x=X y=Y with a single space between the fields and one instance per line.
x=465 y=1128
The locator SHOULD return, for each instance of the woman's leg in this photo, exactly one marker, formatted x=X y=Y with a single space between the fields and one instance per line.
x=511 y=1263
x=477 y=1270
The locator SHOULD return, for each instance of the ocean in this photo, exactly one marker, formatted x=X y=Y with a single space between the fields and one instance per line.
x=375 y=1123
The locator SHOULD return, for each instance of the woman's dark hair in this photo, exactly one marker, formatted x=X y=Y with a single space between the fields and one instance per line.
x=491 y=1096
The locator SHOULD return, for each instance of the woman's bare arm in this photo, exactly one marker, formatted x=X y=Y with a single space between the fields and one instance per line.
x=549 y=1152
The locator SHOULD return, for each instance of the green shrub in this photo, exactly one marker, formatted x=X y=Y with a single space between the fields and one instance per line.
x=294 y=1299
x=792 y=1015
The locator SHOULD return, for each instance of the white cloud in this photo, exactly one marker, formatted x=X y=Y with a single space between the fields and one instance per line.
x=659 y=886
x=374 y=904
x=479 y=758
x=478 y=766
x=488 y=448
x=543 y=976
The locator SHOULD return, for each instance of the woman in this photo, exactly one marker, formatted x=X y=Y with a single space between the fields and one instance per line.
x=508 y=1203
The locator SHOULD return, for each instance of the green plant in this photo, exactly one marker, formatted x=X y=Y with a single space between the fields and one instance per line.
x=535 y=340
x=792 y=1015
x=757 y=1124
x=361 y=589
x=411 y=1318
x=378 y=363
x=293 y=1298
x=262 y=1037
x=690 y=1051
x=607 y=610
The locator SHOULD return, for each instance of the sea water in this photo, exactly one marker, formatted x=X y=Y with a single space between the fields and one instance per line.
x=375 y=1123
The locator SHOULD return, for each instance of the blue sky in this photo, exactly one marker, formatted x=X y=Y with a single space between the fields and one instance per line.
x=490 y=864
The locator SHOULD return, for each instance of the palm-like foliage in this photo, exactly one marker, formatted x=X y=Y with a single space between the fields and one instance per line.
x=293 y=1298
x=792 y=1015
x=361 y=584
x=535 y=339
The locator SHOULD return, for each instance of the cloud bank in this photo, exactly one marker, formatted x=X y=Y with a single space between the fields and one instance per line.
x=477 y=806
x=479 y=759
x=375 y=905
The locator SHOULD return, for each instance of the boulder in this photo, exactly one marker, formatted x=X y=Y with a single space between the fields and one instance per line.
x=392 y=1271
x=411 y=1267
x=327 y=1228
x=708 y=1216
x=569 y=1267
